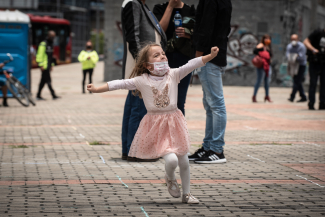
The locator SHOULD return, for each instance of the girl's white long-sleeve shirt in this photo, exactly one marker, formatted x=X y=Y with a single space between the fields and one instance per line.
x=184 y=70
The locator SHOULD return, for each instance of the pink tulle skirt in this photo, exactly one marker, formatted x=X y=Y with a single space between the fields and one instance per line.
x=160 y=134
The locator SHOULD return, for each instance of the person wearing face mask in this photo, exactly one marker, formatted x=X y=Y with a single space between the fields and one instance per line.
x=297 y=60
x=264 y=50
x=45 y=60
x=88 y=59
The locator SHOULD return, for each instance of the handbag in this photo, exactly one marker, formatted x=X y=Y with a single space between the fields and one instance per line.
x=257 y=61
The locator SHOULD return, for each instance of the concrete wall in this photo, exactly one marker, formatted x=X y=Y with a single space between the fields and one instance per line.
x=250 y=20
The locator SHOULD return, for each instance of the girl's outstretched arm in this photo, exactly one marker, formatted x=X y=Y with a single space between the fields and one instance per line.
x=197 y=63
x=101 y=89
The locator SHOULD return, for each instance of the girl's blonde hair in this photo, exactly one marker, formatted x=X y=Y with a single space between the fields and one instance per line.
x=140 y=66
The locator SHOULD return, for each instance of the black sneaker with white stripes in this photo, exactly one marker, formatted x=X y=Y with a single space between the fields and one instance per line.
x=198 y=154
x=211 y=158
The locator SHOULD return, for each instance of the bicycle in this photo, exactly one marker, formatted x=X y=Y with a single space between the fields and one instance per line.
x=17 y=89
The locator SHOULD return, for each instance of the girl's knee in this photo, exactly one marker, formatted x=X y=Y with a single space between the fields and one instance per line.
x=171 y=161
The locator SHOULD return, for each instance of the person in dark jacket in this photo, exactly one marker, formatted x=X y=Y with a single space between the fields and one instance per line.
x=165 y=13
x=212 y=29
x=139 y=25
x=315 y=44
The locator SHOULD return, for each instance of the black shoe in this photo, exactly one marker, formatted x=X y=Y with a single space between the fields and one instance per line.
x=311 y=106
x=4 y=102
x=134 y=159
x=198 y=154
x=211 y=158
x=40 y=98
x=56 y=97
x=321 y=106
x=291 y=100
x=124 y=156
x=302 y=100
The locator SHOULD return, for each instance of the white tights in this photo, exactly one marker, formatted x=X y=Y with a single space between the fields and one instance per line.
x=171 y=162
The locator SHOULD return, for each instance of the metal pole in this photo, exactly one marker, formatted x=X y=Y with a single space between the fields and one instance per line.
x=313 y=15
x=97 y=26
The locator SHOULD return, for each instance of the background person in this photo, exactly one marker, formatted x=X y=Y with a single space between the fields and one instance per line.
x=264 y=50
x=139 y=25
x=3 y=87
x=315 y=44
x=45 y=61
x=212 y=29
x=88 y=59
x=165 y=14
x=297 y=59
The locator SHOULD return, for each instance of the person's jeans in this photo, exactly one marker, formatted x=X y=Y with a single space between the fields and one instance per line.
x=176 y=60
x=134 y=111
x=297 y=83
x=260 y=75
x=214 y=104
x=316 y=70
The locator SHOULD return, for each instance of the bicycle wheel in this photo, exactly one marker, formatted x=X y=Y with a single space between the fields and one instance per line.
x=29 y=95
x=17 y=91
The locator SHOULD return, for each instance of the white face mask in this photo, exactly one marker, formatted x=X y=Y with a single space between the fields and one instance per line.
x=294 y=43
x=160 y=68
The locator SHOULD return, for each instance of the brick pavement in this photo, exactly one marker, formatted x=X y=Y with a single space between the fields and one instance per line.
x=275 y=156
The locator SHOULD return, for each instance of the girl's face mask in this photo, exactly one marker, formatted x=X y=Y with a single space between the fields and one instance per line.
x=160 y=68
x=267 y=41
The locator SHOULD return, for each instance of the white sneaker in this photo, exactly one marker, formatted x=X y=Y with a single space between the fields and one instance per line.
x=189 y=199
x=173 y=187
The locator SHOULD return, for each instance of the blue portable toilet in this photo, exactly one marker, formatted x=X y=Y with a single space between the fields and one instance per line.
x=15 y=39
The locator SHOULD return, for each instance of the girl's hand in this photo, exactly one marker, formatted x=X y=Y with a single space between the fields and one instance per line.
x=214 y=51
x=91 y=87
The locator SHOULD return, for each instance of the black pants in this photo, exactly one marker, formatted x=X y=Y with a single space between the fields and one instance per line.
x=315 y=71
x=297 y=83
x=45 y=79
x=90 y=71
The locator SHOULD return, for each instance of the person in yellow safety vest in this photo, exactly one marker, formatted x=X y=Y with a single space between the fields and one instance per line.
x=88 y=59
x=45 y=60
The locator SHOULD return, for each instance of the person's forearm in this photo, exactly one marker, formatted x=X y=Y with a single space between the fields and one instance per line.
x=102 y=89
x=198 y=53
x=207 y=58
x=164 y=22
x=308 y=45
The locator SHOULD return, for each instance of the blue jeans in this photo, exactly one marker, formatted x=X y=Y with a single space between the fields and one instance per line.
x=214 y=105
x=134 y=111
x=176 y=60
x=260 y=76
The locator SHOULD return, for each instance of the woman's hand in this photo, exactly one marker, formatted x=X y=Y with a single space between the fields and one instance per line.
x=180 y=32
x=91 y=88
x=173 y=3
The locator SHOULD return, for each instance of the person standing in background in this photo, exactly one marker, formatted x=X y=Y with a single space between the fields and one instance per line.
x=139 y=25
x=212 y=29
x=264 y=50
x=45 y=60
x=88 y=59
x=165 y=14
x=297 y=60
x=315 y=44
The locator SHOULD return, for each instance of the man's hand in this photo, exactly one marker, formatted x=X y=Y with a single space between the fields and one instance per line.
x=91 y=87
x=173 y=3
x=1 y=65
x=180 y=32
x=214 y=51
x=315 y=51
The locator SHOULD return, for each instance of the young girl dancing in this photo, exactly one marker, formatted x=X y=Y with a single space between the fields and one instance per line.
x=162 y=131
